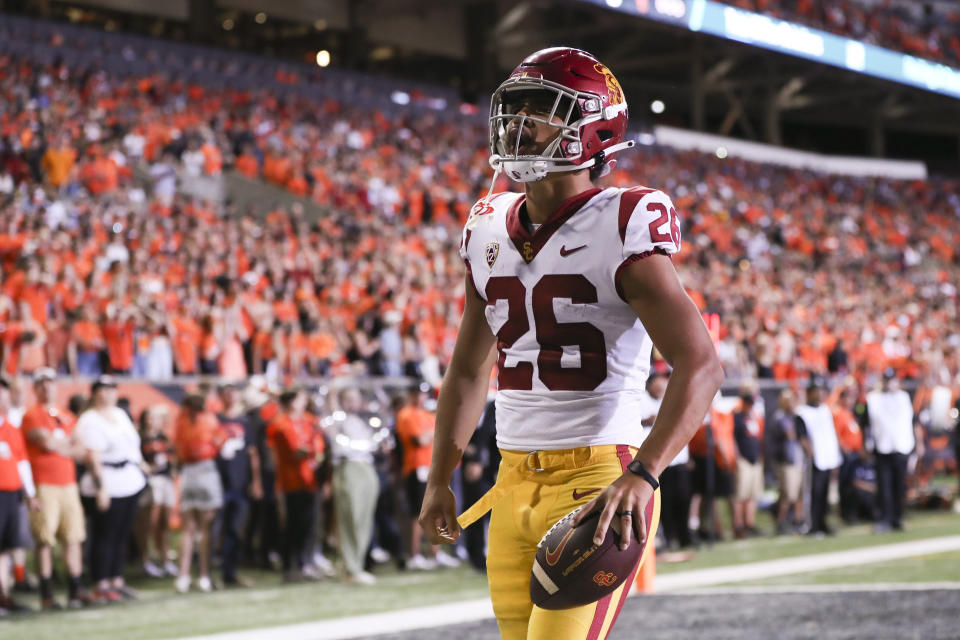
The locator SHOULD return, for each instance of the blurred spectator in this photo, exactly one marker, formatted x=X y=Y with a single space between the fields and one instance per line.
x=158 y=455
x=788 y=456
x=715 y=464
x=51 y=448
x=675 y=481
x=850 y=438
x=111 y=486
x=818 y=435
x=355 y=484
x=16 y=487
x=837 y=359
x=239 y=465
x=263 y=526
x=197 y=439
x=87 y=344
x=748 y=433
x=291 y=437
x=956 y=452
x=415 y=432
x=387 y=538
x=891 y=430
x=59 y=161
x=14 y=415
x=481 y=461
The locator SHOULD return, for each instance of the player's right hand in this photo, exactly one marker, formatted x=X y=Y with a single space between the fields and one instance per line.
x=438 y=517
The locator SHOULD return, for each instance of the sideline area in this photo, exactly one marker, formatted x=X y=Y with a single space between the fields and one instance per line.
x=479 y=609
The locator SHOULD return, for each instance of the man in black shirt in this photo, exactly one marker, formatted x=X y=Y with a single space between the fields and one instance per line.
x=239 y=465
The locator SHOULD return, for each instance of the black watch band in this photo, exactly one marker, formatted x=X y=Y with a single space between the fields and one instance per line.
x=637 y=467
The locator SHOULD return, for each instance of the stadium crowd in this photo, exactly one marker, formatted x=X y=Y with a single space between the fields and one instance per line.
x=807 y=272
x=108 y=267
x=928 y=30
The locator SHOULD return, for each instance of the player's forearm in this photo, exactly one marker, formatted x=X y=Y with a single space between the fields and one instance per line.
x=688 y=396
x=461 y=401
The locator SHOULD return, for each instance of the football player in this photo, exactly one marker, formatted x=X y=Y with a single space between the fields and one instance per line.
x=568 y=288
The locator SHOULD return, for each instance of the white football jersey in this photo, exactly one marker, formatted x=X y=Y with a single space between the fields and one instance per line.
x=573 y=356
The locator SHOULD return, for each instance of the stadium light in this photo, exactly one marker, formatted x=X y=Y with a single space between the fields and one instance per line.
x=614 y=4
x=320 y=24
x=657 y=106
x=323 y=58
x=260 y=18
x=227 y=24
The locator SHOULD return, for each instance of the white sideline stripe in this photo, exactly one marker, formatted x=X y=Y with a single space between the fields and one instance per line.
x=872 y=587
x=803 y=564
x=549 y=585
x=366 y=626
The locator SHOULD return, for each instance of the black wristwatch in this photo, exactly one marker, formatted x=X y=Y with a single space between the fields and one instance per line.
x=637 y=467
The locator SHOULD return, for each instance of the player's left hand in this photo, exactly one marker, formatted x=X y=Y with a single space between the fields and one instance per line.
x=627 y=499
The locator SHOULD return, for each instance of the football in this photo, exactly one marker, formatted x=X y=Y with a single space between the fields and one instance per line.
x=570 y=571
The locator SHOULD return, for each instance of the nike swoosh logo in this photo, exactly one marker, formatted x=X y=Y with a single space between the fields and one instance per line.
x=564 y=253
x=578 y=495
x=554 y=556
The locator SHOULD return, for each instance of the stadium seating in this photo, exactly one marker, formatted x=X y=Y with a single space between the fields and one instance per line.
x=925 y=29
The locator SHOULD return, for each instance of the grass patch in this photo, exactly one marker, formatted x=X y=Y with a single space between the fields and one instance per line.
x=161 y=613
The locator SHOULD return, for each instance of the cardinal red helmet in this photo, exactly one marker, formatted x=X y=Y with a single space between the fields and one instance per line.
x=586 y=99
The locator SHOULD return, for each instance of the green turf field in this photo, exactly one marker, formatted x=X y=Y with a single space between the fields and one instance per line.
x=161 y=613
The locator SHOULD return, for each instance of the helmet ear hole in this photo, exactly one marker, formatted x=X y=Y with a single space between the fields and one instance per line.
x=604 y=135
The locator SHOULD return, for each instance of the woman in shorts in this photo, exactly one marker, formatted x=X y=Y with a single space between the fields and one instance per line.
x=198 y=437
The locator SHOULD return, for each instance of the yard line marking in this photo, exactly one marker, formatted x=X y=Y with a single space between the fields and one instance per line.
x=372 y=625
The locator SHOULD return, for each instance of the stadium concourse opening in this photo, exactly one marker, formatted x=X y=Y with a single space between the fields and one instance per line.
x=231 y=285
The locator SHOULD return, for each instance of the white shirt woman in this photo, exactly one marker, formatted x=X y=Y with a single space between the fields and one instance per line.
x=110 y=432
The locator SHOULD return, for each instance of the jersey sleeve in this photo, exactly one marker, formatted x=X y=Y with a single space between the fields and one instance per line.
x=464 y=246
x=649 y=223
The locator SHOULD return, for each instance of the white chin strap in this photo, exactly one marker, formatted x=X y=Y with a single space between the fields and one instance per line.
x=538 y=168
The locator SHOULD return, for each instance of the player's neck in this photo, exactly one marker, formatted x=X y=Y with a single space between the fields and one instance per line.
x=545 y=196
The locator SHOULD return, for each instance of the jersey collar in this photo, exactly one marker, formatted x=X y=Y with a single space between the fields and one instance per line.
x=529 y=244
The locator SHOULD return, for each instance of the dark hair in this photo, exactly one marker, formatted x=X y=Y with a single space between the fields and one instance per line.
x=77 y=404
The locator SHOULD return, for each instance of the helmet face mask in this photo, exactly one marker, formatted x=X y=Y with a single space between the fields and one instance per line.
x=560 y=89
x=515 y=104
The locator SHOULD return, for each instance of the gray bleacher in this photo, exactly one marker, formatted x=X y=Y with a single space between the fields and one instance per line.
x=133 y=55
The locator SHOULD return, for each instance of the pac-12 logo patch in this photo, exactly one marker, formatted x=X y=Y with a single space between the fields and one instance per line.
x=492 y=250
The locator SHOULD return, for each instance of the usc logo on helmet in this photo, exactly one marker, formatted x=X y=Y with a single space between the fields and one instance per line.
x=613 y=86
x=604 y=579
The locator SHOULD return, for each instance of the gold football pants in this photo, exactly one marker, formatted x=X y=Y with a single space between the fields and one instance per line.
x=532 y=492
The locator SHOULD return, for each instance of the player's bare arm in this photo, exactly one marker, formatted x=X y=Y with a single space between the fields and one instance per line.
x=462 y=397
x=653 y=290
